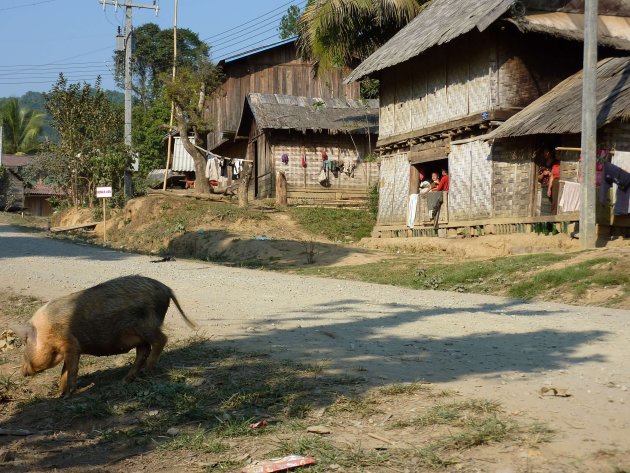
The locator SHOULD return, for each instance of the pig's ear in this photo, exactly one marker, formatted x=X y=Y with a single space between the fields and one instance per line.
x=23 y=331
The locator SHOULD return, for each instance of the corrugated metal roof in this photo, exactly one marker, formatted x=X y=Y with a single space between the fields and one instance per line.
x=182 y=161
x=440 y=22
x=260 y=49
x=560 y=110
x=288 y=112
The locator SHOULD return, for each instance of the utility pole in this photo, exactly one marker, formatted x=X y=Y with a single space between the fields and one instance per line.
x=170 y=123
x=128 y=89
x=588 y=233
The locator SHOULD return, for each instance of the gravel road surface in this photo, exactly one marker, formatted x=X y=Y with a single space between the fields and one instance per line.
x=478 y=345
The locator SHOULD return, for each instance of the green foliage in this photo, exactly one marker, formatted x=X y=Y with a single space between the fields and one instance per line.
x=369 y=88
x=90 y=150
x=373 y=196
x=340 y=32
x=148 y=134
x=335 y=224
x=153 y=56
x=289 y=23
x=22 y=127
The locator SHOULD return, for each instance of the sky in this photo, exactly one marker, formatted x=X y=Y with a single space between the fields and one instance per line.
x=41 y=38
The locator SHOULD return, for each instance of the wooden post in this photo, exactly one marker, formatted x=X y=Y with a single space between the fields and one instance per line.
x=243 y=188
x=104 y=220
x=281 y=188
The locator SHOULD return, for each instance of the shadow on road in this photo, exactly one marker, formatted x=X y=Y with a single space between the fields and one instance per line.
x=278 y=372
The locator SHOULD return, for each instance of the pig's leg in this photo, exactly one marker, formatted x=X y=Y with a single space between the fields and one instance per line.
x=142 y=352
x=69 y=372
x=158 y=340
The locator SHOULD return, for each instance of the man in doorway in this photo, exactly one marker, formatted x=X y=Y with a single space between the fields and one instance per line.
x=554 y=185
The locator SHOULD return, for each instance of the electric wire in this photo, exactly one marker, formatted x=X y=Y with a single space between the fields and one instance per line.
x=27 y=5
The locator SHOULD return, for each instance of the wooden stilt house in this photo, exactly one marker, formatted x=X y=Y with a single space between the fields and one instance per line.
x=454 y=74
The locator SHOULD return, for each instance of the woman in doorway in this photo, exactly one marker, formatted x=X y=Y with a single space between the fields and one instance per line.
x=544 y=178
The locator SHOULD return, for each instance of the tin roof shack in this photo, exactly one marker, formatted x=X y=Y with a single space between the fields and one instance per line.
x=454 y=73
x=272 y=69
x=556 y=117
x=284 y=133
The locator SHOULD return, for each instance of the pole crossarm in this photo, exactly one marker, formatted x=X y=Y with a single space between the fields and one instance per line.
x=131 y=5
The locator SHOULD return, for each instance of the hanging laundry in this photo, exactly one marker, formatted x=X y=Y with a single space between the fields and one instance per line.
x=615 y=175
x=324 y=155
x=411 y=210
x=303 y=160
x=329 y=165
x=212 y=169
x=285 y=158
x=349 y=165
x=224 y=167
x=570 y=200
x=237 y=167
x=621 y=159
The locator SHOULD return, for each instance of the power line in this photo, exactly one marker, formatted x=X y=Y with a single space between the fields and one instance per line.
x=266 y=22
x=250 y=21
x=51 y=64
x=27 y=5
x=72 y=79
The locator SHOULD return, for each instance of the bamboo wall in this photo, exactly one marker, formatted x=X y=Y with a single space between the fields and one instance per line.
x=479 y=72
x=393 y=190
x=339 y=146
x=470 y=181
x=514 y=177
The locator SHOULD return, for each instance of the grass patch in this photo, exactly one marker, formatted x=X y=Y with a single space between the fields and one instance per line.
x=403 y=388
x=476 y=276
x=361 y=406
x=577 y=278
x=200 y=441
x=334 y=224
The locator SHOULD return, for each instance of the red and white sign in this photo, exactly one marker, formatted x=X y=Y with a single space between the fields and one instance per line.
x=103 y=192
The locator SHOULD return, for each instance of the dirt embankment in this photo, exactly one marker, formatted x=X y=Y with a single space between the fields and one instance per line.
x=260 y=235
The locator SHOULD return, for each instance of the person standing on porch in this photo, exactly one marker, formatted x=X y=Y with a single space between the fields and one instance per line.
x=554 y=185
x=544 y=178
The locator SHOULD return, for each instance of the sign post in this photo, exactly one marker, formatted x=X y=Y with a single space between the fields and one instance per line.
x=104 y=193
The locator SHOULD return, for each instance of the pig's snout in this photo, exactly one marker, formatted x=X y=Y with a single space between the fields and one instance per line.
x=27 y=369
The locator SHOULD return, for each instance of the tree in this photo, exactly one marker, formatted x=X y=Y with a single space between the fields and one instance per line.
x=289 y=23
x=344 y=32
x=189 y=92
x=22 y=127
x=153 y=55
x=90 y=150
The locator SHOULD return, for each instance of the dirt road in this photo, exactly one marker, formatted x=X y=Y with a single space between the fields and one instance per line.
x=479 y=345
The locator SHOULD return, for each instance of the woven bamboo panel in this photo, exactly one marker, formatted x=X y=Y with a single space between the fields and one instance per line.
x=436 y=95
x=387 y=106
x=337 y=147
x=512 y=179
x=419 y=102
x=402 y=115
x=457 y=89
x=393 y=190
x=478 y=81
x=481 y=180
x=459 y=164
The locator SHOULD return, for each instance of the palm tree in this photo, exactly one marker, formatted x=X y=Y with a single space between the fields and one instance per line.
x=344 y=32
x=22 y=127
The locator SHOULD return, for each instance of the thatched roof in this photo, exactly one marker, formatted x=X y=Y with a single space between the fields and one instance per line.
x=560 y=110
x=612 y=31
x=288 y=112
x=440 y=22
x=444 y=20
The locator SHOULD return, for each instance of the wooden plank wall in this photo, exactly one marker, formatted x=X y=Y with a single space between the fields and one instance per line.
x=275 y=71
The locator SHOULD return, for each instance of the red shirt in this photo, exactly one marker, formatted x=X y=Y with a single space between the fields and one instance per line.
x=443 y=185
x=555 y=170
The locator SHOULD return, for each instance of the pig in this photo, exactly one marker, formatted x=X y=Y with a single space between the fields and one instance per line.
x=107 y=319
